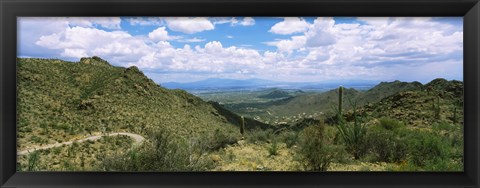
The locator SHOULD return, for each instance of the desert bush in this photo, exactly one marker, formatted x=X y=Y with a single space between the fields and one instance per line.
x=426 y=147
x=389 y=123
x=445 y=126
x=290 y=138
x=273 y=148
x=443 y=165
x=258 y=135
x=219 y=139
x=315 y=149
x=354 y=133
x=33 y=160
x=354 y=136
x=387 y=147
x=163 y=153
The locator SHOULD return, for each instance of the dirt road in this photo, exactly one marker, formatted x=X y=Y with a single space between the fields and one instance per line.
x=138 y=139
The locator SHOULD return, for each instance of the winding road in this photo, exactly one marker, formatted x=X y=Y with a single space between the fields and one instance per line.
x=138 y=139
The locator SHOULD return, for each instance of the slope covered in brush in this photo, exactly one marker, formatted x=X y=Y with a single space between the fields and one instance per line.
x=323 y=102
x=439 y=101
x=60 y=101
x=386 y=89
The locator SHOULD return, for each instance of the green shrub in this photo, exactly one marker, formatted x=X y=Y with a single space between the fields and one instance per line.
x=164 y=153
x=389 y=123
x=219 y=139
x=316 y=151
x=258 y=135
x=273 y=149
x=353 y=134
x=33 y=160
x=387 y=147
x=426 y=147
x=290 y=138
x=354 y=138
x=443 y=165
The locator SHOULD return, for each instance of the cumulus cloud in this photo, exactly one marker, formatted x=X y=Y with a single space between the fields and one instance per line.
x=161 y=34
x=288 y=45
x=189 y=25
x=290 y=25
x=30 y=29
x=321 y=33
x=246 y=21
x=369 y=48
x=145 y=21
x=77 y=42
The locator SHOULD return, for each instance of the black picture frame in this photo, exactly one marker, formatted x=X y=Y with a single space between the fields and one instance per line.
x=10 y=9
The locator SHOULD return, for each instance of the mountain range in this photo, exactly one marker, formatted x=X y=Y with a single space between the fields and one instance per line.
x=255 y=84
x=60 y=100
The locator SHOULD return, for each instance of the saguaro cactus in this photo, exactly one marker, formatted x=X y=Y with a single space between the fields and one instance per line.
x=436 y=108
x=455 y=115
x=242 y=125
x=340 y=101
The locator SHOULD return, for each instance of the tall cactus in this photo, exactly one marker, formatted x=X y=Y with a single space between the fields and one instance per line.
x=436 y=108
x=242 y=125
x=455 y=115
x=340 y=101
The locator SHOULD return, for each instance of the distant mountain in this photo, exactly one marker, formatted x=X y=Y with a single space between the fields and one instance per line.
x=325 y=102
x=226 y=84
x=311 y=103
x=275 y=94
x=220 y=83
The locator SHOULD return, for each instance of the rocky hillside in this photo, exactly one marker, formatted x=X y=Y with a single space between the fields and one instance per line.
x=59 y=101
x=438 y=101
x=386 y=89
x=323 y=102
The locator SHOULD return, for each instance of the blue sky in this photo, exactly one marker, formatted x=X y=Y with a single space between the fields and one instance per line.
x=284 y=49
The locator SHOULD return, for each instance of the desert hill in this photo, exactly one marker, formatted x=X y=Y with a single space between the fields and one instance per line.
x=275 y=94
x=437 y=101
x=59 y=101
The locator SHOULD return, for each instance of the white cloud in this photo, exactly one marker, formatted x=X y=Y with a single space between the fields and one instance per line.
x=375 y=48
x=288 y=45
x=191 y=40
x=79 y=42
x=223 y=20
x=105 y=22
x=290 y=25
x=30 y=29
x=161 y=34
x=321 y=33
x=189 y=25
x=145 y=21
x=247 y=21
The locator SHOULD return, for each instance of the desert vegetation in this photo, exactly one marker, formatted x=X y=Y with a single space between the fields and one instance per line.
x=393 y=126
